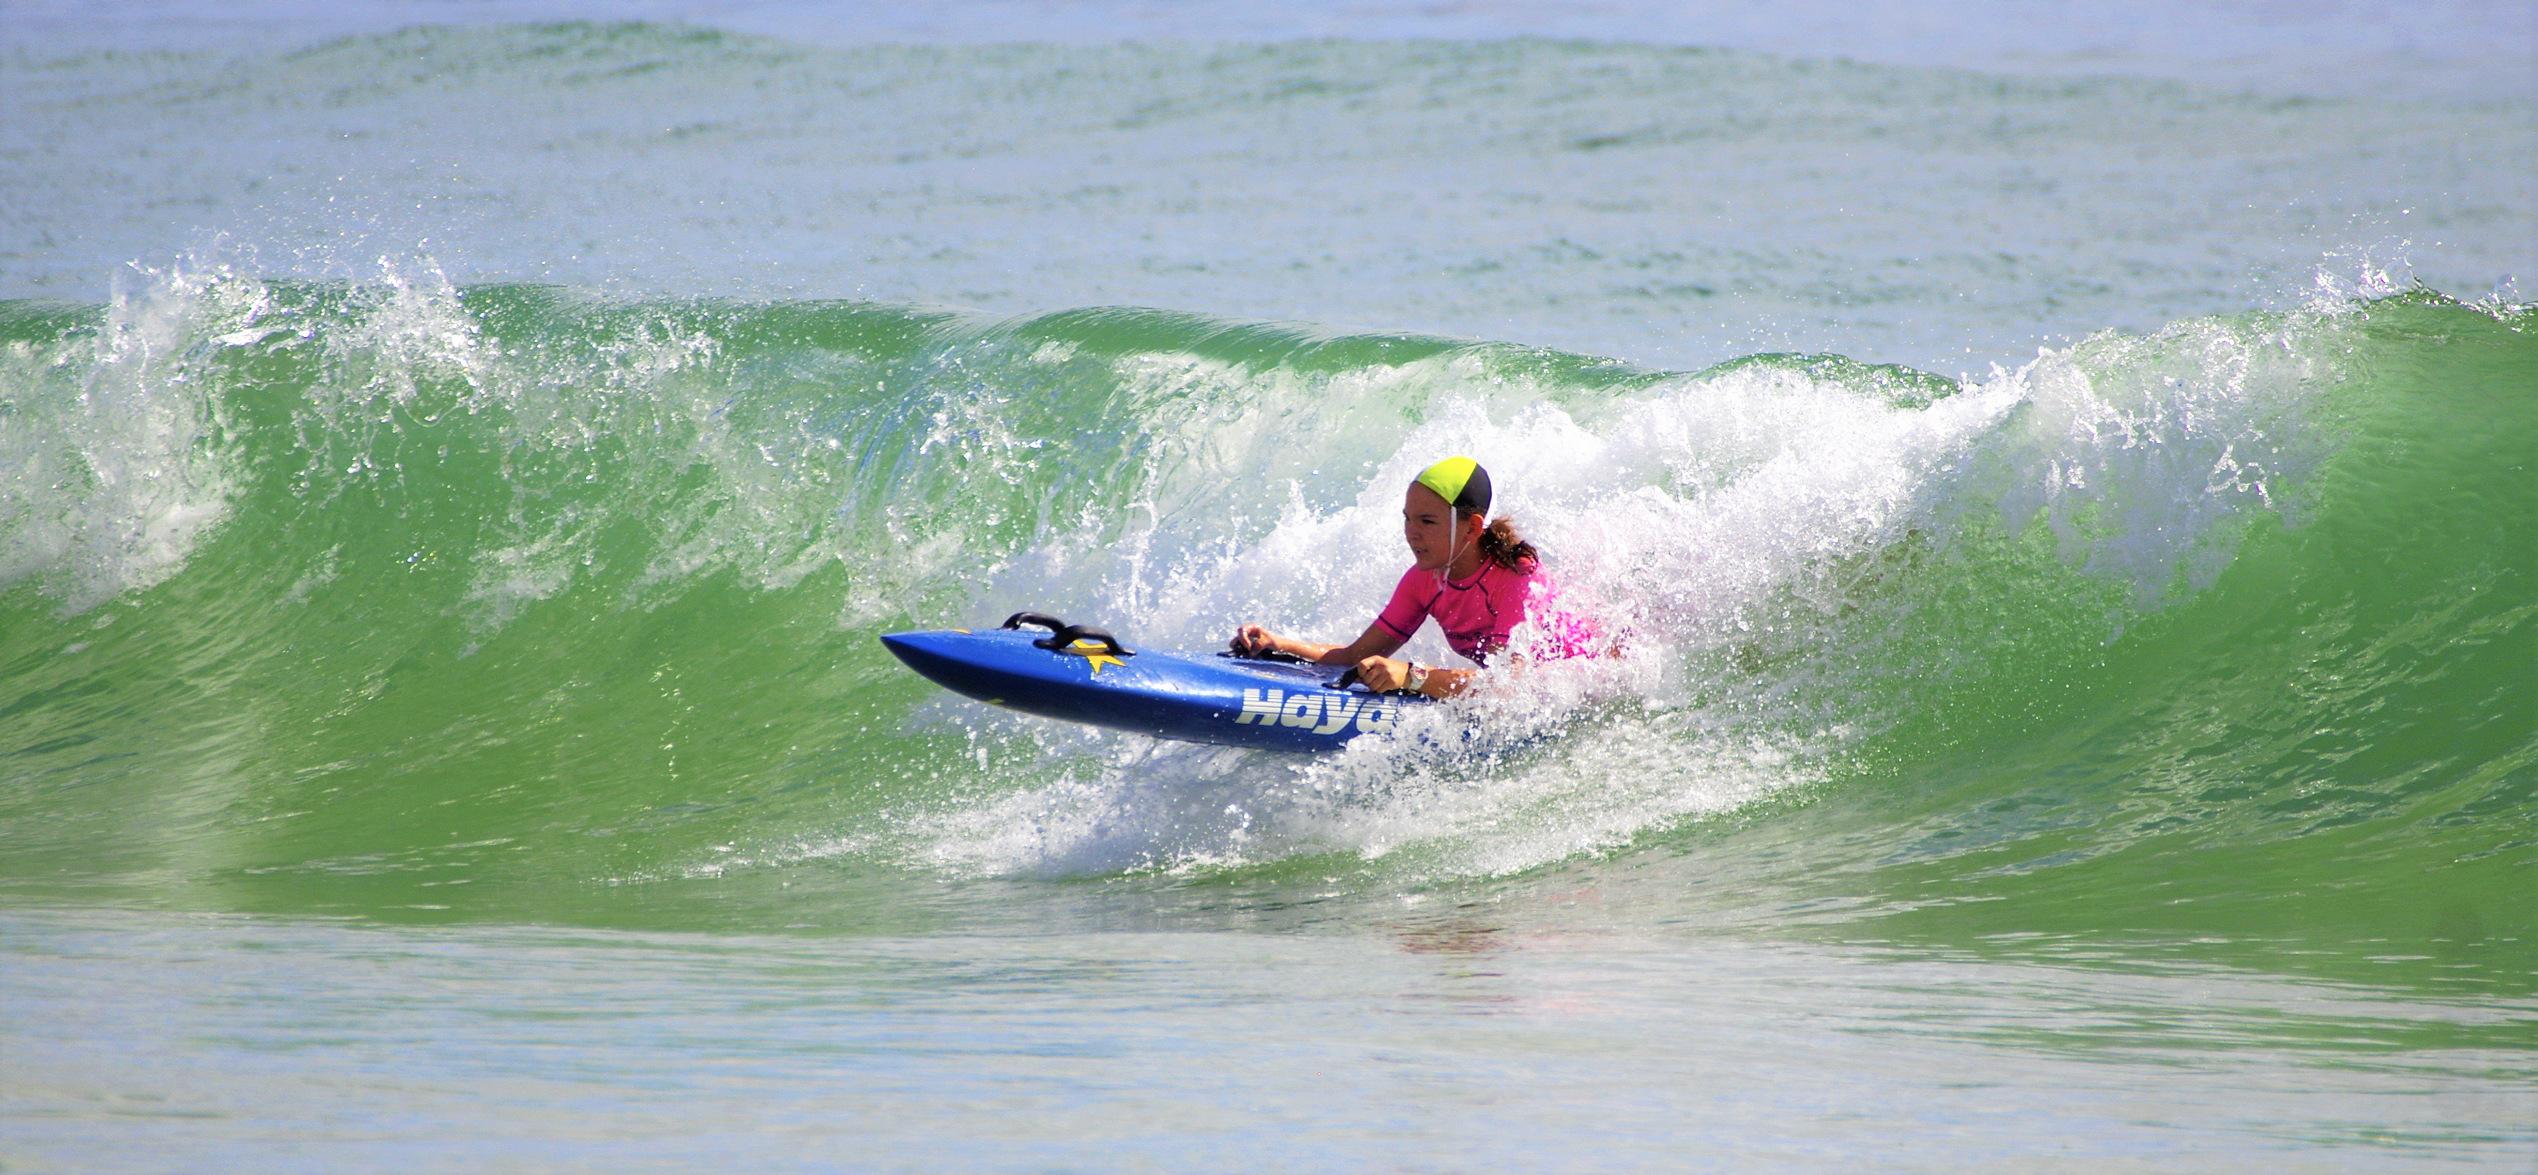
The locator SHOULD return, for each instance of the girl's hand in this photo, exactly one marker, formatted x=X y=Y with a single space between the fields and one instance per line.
x=1251 y=640
x=1383 y=674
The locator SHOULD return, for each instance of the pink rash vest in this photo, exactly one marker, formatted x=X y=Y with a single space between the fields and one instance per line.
x=1479 y=613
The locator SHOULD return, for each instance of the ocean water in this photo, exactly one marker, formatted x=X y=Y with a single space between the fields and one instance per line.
x=2067 y=486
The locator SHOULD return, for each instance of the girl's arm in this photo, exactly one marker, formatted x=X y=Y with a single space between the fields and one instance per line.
x=1376 y=641
x=1382 y=674
x=1372 y=654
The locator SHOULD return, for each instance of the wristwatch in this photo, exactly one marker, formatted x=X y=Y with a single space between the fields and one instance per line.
x=1418 y=678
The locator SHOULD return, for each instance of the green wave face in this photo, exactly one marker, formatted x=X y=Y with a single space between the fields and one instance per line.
x=398 y=600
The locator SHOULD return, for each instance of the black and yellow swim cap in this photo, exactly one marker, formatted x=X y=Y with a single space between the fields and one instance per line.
x=1460 y=481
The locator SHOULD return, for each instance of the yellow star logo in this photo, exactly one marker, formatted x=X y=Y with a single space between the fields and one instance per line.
x=1092 y=652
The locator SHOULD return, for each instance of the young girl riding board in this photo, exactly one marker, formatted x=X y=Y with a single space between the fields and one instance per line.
x=1477 y=578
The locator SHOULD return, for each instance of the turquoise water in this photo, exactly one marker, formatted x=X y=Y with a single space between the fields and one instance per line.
x=2069 y=509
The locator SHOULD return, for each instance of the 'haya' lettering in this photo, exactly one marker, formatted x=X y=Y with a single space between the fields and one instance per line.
x=1321 y=713
x=1260 y=706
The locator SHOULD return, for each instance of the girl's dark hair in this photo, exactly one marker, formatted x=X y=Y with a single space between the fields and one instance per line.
x=1500 y=544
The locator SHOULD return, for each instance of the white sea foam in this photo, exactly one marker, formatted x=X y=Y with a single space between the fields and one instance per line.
x=112 y=474
x=1707 y=519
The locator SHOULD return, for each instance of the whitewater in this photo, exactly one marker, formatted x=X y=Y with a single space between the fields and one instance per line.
x=2066 y=504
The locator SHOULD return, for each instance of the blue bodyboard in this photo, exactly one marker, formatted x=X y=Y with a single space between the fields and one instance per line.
x=1202 y=699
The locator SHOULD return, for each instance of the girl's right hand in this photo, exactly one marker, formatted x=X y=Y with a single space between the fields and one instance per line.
x=1251 y=640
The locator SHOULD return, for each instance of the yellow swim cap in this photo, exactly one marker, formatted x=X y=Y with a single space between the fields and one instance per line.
x=1460 y=481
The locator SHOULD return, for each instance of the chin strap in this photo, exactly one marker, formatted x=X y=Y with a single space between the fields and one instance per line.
x=1453 y=550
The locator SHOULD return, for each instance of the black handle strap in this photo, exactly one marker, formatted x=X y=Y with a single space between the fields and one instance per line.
x=1263 y=655
x=1062 y=636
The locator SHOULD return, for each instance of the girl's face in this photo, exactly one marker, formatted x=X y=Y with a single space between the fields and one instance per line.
x=1427 y=524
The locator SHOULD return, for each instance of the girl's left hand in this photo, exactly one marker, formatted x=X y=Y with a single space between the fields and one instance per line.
x=1383 y=674
x=1251 y=640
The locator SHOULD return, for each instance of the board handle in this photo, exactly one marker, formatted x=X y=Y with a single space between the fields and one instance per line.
x=1063 y=635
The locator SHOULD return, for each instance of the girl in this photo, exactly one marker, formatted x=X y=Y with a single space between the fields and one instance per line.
x=1478 y=578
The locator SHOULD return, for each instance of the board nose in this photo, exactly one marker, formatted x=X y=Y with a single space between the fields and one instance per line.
x=949 y=658
x=916 y=649
x=928 y=653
